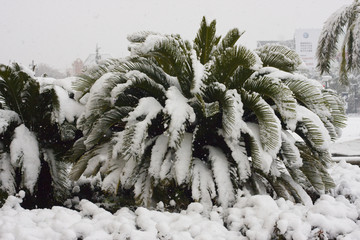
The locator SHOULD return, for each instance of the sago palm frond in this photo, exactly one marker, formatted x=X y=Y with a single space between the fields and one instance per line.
x=136 y=128
x=351 y=44
x=308 y=93
x=241 y=75
x=270 y=127
x=59 y=174
x=86 y=80
x=314 y=170
x=216 y=94
x=225 y=65
x=180 y=114
x=173 y=57
x=279 y=93
x=289 y=153
x=98 y=101
x=329 y=37
x=146 y=67
x=311 y=129
x=280 y=57
x=206 y=40
x=228 y=41
x=149 y=86
x=12 y=83
x=104 y=123
x=336 y=106
x=82 y=163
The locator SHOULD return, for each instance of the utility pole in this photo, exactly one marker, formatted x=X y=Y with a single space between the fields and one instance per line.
x=32 y=65
x=97 y=55
x=355 y=97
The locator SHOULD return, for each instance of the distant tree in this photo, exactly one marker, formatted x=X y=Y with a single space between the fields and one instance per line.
x=202 y=120
x=32 y=137
x=47 y=71
x=346 y=19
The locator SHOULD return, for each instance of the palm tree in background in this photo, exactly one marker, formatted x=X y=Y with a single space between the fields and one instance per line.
x=205 y=120
x=32 y=138
x=346 y=18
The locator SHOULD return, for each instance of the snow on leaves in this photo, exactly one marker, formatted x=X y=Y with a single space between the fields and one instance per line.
x=24 y=154
x=180 y=112
x=8 y=117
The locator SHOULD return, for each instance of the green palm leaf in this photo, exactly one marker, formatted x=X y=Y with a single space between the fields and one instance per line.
x=228 y=41
x=280 y=57
x=314 y=170
x=59 y=174
x=311 y=129
x=279 y=93
x=102 y=126
x=206 y=40
x=226 y=64
x=270 y=127
x=146 y=67
x=333 y=28
x=77 y=150
x=12 y=84
x=85 y=81
x=174 y=58
x=289 y=151
x=336 y=108
x=82 y=163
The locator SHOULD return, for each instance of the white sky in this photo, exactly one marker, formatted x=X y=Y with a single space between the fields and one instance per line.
x=57 y=32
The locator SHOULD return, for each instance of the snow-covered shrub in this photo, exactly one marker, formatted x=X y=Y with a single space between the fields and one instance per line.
x=36 y=128
x=203 y=120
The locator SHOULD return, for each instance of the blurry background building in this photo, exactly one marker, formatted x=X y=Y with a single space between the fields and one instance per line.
x=306 y=41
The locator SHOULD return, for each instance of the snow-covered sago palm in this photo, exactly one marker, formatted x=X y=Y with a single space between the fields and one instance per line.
x=210 y=118
x=34 y=134
x=345 y=20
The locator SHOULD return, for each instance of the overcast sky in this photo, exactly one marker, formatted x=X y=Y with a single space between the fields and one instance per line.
x=57 y=32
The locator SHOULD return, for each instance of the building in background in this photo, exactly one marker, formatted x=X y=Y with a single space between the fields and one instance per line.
x=306 y=42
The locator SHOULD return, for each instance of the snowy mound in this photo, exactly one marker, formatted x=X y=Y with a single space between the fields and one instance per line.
x=252 y=217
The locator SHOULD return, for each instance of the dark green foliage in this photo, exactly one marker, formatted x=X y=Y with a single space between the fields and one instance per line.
x=21 y=95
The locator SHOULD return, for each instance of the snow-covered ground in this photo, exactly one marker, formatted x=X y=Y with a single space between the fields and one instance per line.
x=349 y=143
x=252 y=217
x=335 y=215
